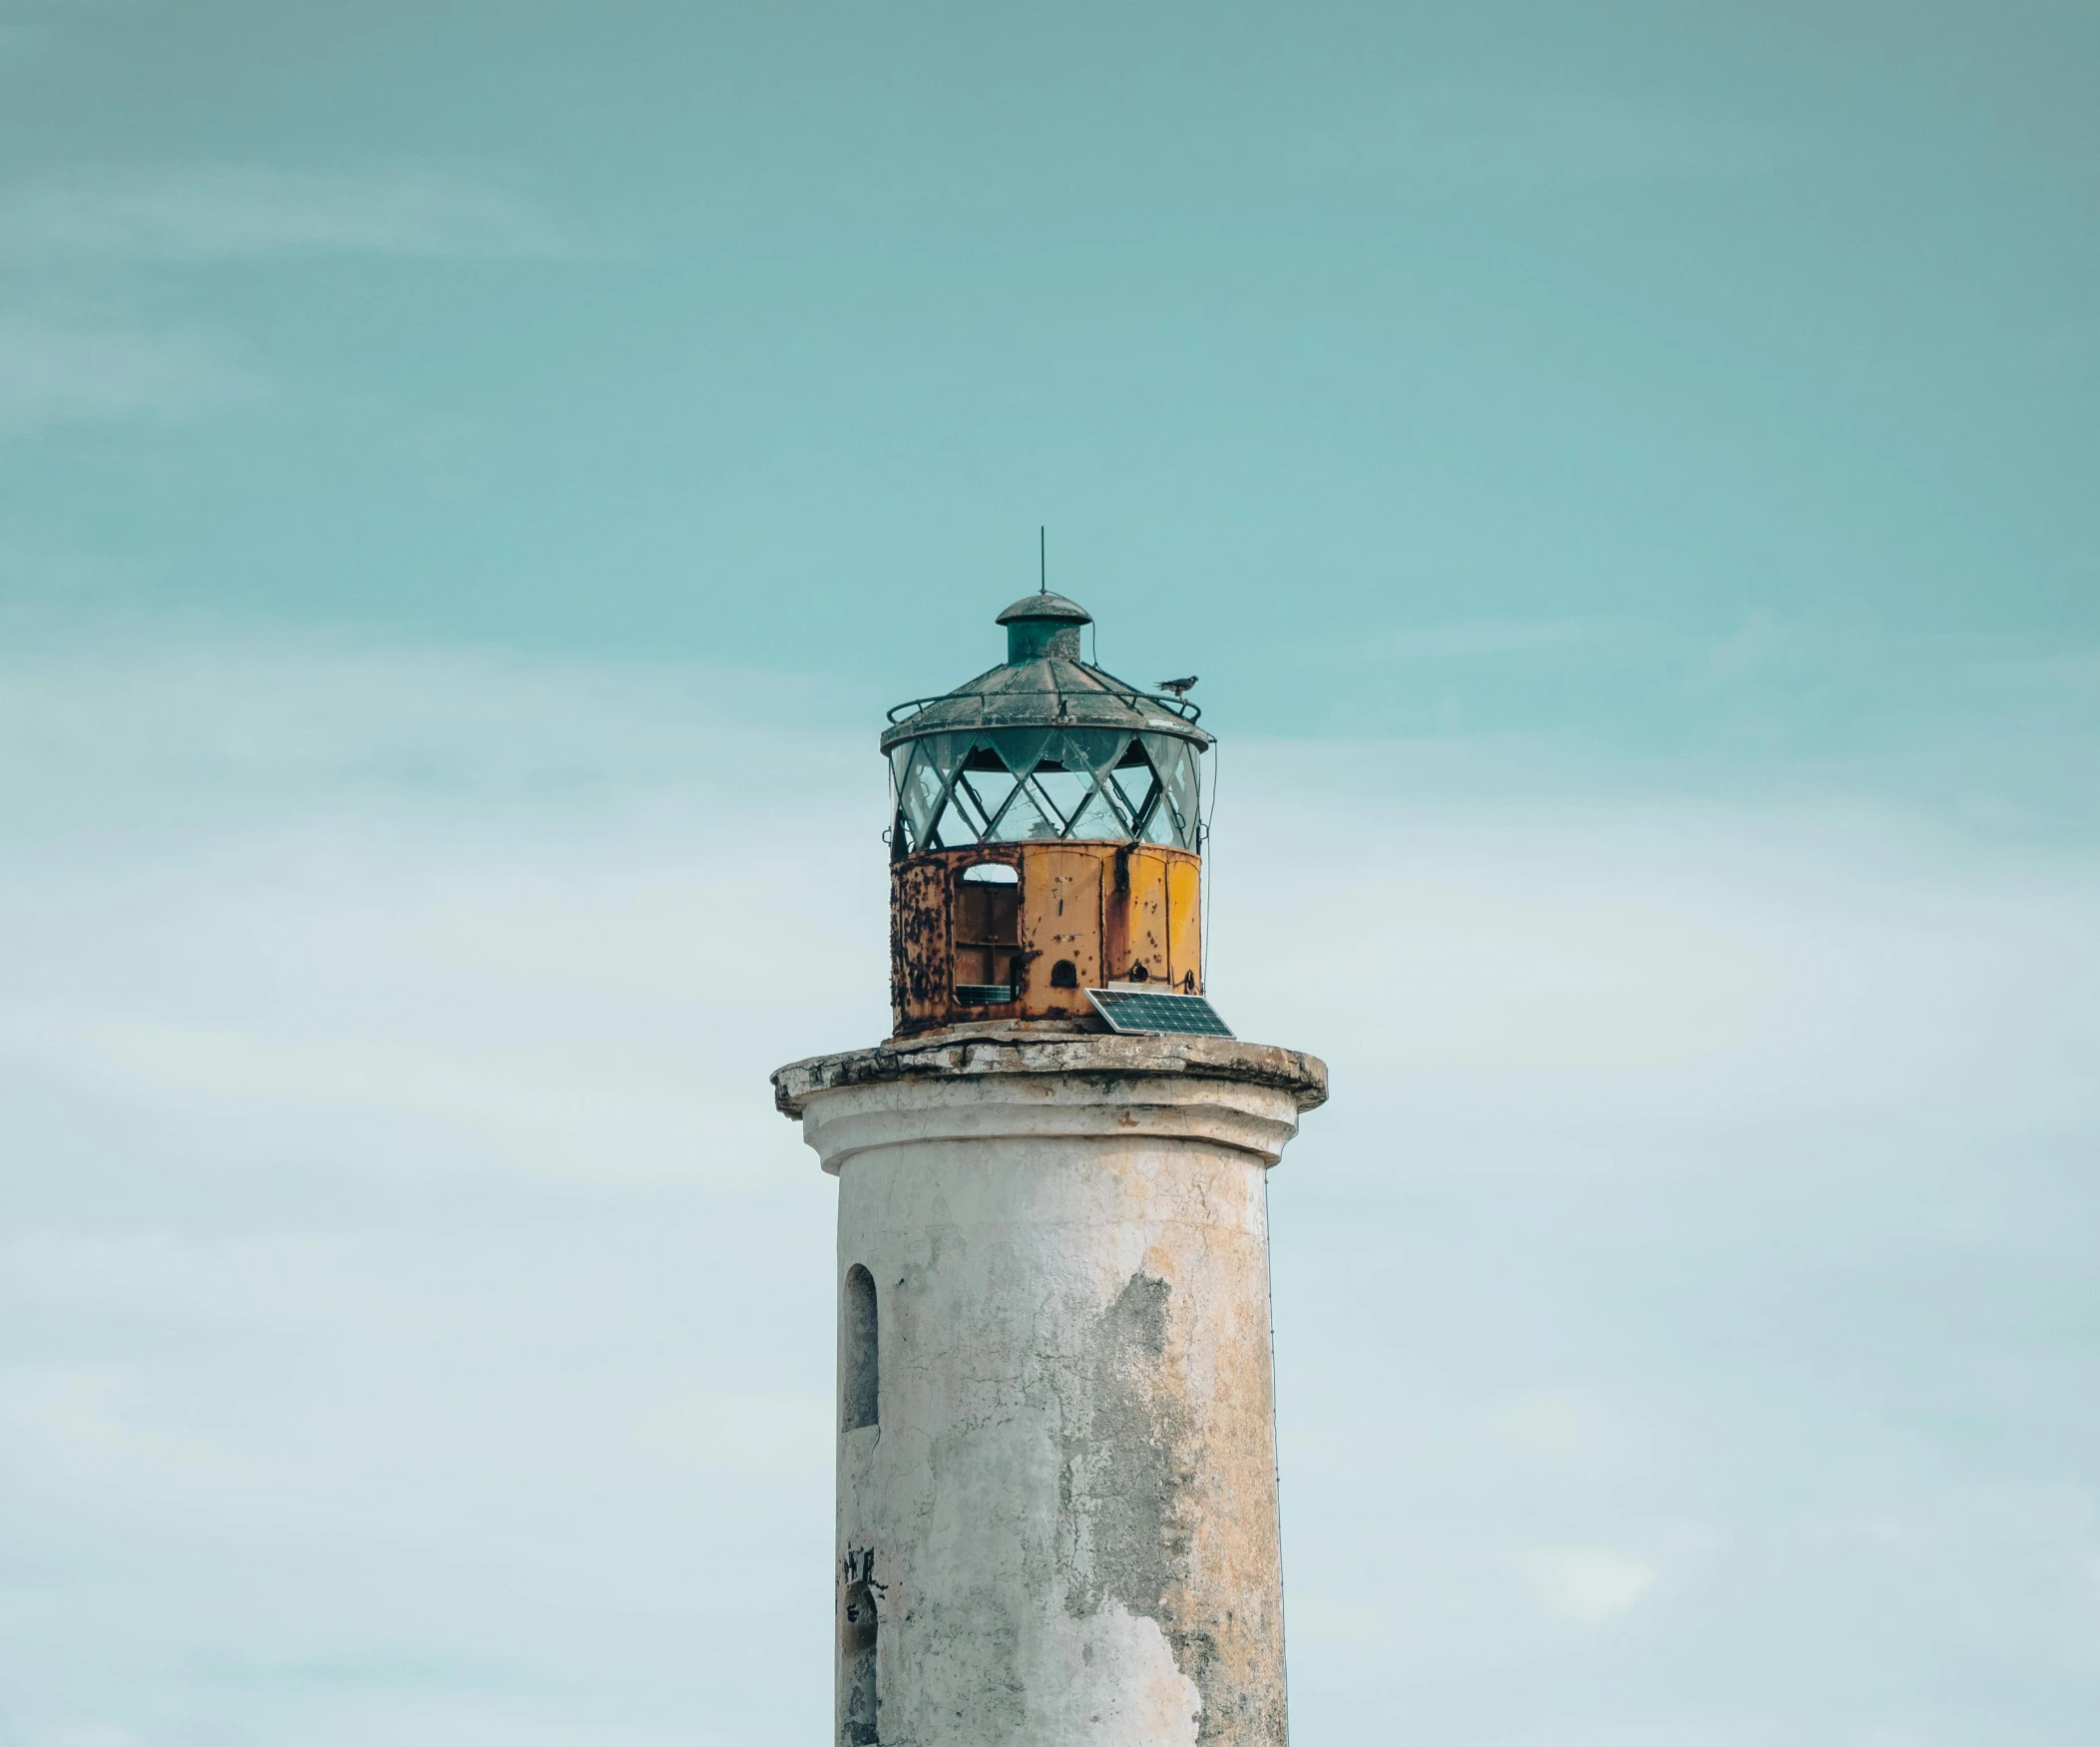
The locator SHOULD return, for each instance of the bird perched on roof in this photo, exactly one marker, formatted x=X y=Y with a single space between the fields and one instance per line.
x=1179 y=687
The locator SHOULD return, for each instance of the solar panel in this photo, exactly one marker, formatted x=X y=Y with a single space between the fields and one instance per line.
x=1133 y=1009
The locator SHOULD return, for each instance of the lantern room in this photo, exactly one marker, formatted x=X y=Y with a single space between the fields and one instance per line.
x=1045 y=838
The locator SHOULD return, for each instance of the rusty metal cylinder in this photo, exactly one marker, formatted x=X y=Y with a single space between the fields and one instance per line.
x=1065 y=918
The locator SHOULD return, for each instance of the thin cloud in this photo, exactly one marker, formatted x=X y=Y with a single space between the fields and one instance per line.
x=1588 y=1586
x=385 y=1042
x=235 y=211
x=54 y=374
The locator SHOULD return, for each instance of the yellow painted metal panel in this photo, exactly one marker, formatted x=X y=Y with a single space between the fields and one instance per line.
x=1148 y=930
x=1060 y=922
x=1184 y=923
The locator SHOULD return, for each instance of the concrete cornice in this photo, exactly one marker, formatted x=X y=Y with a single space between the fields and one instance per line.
x=1098 y=1057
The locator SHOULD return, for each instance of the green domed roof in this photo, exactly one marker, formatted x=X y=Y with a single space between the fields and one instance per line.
x=1047 y=686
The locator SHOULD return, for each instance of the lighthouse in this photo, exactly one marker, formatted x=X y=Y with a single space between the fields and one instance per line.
x=1057 y=1511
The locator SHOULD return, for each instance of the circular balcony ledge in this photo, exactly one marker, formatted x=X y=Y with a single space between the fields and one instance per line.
x=991 y=1051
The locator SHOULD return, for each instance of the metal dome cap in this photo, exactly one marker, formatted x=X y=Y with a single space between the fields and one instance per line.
x=1043 y=623
x=1043 y=604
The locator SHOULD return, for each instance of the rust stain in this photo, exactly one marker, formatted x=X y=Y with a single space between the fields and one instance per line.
x=1087 y=914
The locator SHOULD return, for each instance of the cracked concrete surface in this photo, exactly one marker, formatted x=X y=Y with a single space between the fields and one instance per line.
x=1069 y=1497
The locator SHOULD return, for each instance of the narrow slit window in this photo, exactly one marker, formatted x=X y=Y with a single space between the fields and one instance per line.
x=860 y=1367
x=986 y=935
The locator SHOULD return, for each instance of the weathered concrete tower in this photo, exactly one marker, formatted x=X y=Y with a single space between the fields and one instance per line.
x=1057 y=1468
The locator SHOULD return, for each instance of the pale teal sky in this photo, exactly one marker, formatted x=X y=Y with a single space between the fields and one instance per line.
x=1649 y=372
x=470 y=477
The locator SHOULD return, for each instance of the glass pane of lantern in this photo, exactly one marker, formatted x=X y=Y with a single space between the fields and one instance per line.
x=1065 y=792
x=973 y=771
x=1133 y=782
x=1098 y=819
x=1175 y=761
x=927 y=764
x=1020 y=749
x=1023 y=819
x=900 y=776
x=979 y=796
x=1087 y=755
x=1092 y=752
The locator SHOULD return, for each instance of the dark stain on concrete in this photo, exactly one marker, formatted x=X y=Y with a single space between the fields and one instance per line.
x=1127 y=1490
x=1118 y=1467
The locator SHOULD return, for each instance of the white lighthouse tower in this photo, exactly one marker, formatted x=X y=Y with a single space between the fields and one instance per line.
x=1057 y=1471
